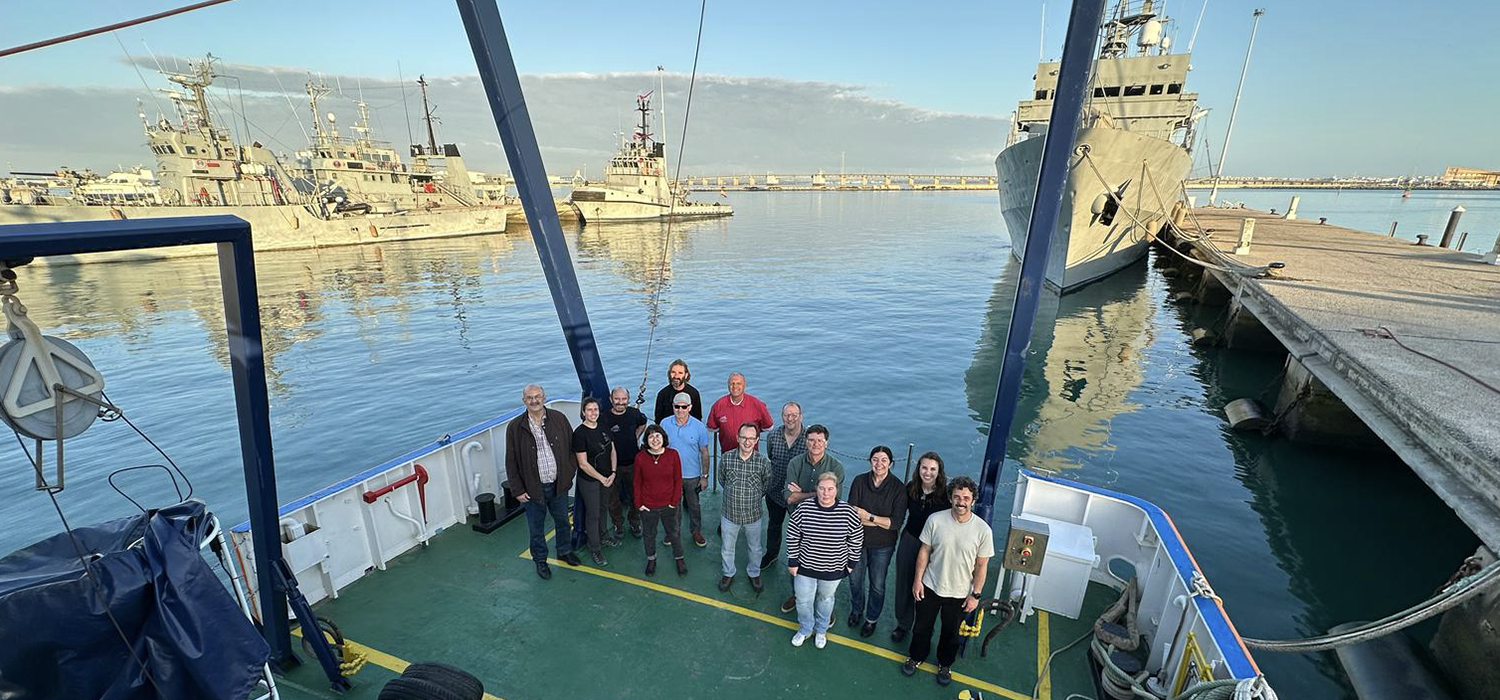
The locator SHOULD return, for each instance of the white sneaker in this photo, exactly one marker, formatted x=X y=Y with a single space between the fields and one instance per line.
x=798 y=639
x=820 y=641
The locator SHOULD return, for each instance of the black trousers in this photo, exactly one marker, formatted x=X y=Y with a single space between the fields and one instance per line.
x=929 y=609
x=776 y=515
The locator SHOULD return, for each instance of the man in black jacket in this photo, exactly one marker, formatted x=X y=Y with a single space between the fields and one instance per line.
x=539 y=468
x=677 y=380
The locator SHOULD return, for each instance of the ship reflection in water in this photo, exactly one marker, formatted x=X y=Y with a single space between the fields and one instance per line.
x=371 y=286
x=1081 y=369
x=642 y=251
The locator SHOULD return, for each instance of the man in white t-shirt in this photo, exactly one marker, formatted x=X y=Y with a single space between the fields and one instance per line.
x=951 y=567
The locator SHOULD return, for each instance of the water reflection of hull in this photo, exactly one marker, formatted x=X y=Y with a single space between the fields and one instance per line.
x=1091 y=362
x=369 y=283
x=286 y=227
x=642 y=251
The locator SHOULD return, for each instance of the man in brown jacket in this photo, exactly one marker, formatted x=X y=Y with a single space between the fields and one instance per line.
x=539 y=467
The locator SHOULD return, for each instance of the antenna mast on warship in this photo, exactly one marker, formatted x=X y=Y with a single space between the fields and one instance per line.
x=427 y=117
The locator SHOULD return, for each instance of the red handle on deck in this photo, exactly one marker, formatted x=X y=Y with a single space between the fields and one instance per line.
x=418 y=475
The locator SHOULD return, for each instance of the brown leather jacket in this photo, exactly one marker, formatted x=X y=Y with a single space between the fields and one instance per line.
x=520 y=454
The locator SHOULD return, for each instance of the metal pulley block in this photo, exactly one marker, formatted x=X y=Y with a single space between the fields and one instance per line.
x=49 y=389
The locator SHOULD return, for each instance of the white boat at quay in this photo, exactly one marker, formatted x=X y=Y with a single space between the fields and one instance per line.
x=636 y=186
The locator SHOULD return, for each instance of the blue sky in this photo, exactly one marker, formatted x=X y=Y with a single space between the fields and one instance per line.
x=1334 y=87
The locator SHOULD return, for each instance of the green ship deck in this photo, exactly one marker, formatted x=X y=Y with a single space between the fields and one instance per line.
x=475 y=601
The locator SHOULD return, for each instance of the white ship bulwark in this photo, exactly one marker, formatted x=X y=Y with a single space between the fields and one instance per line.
x=1096 y=234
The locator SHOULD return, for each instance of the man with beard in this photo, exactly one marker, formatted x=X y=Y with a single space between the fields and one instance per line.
x=677 y=382
x=624 y=423
x=951 y=567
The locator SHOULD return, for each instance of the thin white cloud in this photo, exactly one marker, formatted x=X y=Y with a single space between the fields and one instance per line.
x=739 y=124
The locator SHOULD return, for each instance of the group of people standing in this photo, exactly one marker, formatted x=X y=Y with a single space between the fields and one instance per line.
x=642 y=475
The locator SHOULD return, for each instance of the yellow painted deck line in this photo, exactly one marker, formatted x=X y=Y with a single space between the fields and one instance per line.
x=1043 y=650
x=779 y=622
x=380 y=658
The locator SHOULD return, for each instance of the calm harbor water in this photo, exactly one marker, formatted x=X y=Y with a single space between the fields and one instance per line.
x=882 y=313
x=1424 y=212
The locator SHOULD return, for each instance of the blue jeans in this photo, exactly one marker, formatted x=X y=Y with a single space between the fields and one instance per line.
x=875 y=563
x=731 y=537
x=536 y=522
x=814 y=595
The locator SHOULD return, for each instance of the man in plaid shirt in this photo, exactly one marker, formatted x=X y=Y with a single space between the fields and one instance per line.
x=744 y=474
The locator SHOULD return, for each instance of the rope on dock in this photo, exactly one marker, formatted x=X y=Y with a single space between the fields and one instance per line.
x=1230 y=267
x=1383 y=332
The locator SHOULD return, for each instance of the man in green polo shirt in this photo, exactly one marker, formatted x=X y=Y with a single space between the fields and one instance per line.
x=802 y=477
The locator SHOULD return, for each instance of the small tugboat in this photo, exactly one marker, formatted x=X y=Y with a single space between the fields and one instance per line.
x=636 y=186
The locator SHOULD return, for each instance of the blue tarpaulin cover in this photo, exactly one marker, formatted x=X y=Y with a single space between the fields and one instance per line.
x=179 y=618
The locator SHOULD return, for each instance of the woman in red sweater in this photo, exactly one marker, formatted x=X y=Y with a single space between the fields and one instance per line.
x=658 y=493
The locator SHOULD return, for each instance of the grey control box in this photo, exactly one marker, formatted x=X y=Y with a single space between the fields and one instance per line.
x=1026 y=545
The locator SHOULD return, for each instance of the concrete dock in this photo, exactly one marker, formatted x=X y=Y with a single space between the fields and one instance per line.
x=1325 y=308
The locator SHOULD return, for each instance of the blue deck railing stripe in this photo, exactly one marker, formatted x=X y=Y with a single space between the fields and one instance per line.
x=1227 y=639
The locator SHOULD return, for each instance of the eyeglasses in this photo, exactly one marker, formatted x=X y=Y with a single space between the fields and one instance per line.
x=751 y=438
x=682 y=407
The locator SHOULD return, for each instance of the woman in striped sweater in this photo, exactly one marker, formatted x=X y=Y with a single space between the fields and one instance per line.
x=823 y=542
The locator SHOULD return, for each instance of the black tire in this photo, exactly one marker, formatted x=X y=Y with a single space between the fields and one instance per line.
x=404 y=688
x=450 y=677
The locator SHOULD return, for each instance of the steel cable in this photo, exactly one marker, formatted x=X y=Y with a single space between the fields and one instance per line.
x=666 y=245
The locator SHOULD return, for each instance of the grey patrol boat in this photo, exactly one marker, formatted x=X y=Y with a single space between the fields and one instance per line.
x=1129 y=161
x=340 y=190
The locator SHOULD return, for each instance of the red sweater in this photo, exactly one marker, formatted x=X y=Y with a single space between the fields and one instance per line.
x=658 y=479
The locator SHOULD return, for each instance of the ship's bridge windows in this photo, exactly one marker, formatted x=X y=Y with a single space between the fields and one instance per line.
x=1041 y=94
x=1135 y=90
x=1112 y=91
x=1156 y=89
x=1174 y=88
x=190 y=150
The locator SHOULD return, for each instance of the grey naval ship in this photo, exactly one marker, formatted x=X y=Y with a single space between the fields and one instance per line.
x=340 y=190
x=636 y=186
x=1129 y=161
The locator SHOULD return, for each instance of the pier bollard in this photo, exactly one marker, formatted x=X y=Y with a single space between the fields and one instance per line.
x=1462 y=239
x=1421 y=239
x=1247 y=230
x=1393 y=228
x=1448 y=232
x=1291 y=210
x=1493 y=257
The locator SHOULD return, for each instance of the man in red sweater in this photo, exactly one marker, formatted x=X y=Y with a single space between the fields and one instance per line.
x=734 y=410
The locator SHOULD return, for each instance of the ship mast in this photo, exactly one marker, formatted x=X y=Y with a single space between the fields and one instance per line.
x=427 y=116
x=197 y=82
x=643 y=105
x=313 y=93
x=362 y=126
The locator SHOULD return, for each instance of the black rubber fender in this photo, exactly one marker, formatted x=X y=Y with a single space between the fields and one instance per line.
x=451 y=677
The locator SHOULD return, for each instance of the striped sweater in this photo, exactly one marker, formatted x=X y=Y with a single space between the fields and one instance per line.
x=823 y=543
